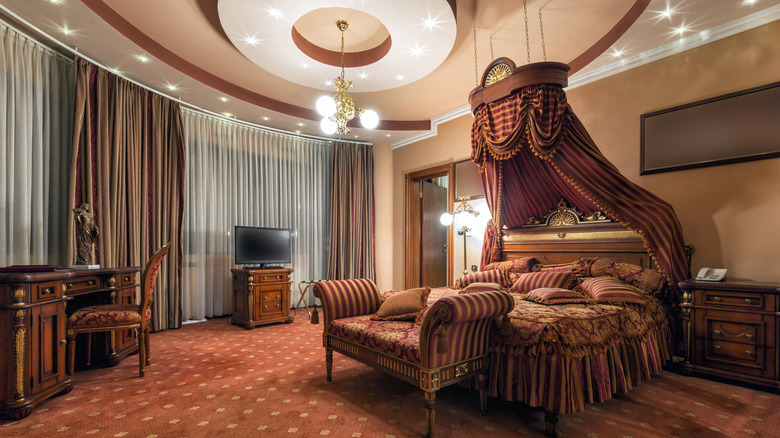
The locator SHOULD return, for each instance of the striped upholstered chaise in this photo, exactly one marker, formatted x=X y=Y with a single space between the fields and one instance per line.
x=449 y=346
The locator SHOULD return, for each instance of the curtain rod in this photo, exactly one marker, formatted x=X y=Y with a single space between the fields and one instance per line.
x=187 y=105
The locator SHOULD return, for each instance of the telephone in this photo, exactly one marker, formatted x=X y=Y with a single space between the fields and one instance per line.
x=710 y=274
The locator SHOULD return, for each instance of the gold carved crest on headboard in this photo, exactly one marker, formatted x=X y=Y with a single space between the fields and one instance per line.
x=565 y=214
x=497 y=71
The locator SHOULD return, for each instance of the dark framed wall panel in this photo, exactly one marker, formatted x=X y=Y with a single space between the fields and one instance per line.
x=732 y=128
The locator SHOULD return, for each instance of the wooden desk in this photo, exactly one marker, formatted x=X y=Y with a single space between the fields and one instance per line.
x=33 y=319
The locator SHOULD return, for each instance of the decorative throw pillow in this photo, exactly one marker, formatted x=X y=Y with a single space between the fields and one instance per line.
x=520 y=265
x=492 y=276
x=610 y=290
x=560 y=267
x=542 y=279
x=554 y=295
x=481 y=287
x=648 y=280
x=403 y=306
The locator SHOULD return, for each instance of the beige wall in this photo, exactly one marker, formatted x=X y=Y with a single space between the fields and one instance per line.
x=383 y=210
x=728 y=212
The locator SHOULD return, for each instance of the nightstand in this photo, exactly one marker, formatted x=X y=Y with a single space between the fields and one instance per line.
x=731 y=330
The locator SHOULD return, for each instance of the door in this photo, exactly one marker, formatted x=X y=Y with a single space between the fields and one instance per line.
x=433 y=235
x=47 y=336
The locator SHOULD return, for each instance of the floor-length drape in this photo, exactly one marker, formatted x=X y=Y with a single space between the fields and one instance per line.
x=36 y=106
x=239 y=175
x=352 y=213
x=128 y=165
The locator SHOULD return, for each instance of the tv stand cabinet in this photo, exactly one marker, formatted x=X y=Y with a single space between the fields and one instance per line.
x=261 y=296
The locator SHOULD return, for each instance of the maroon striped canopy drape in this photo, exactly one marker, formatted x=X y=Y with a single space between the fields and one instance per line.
x=532 y=150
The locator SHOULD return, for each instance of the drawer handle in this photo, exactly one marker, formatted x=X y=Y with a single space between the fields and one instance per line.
x=278 y=296
x=715 y=298
x=63 y=341
x=277 y=306
x=749 y=336
x=127 y=278
x=748 y=301
x=91 y=283
x=717 y=347
x=717 y=332
x=265 y=307
x=749 y=352
x=46 y=291
x=69 y=286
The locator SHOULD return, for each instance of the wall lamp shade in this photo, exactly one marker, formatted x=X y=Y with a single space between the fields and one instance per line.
x=446 y=219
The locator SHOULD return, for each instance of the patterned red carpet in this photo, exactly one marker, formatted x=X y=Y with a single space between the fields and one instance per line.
x=214 y=379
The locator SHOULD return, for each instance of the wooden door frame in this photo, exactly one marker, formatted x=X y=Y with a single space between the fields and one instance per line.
x=412 y=227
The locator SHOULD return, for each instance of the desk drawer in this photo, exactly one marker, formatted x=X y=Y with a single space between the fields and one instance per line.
x=50 y=290
x=741 y=327
x=271 y=308
x=271 y=295
x=734 y=352
x=81 y=284
x=127 y=279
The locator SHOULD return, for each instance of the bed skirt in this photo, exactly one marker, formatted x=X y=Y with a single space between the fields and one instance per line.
x=563 y=381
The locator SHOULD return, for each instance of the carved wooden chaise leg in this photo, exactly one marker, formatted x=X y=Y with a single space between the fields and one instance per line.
x=146 y=346
x=328 y=363
x=482 y=383
x=430 y=412
x=551 y=424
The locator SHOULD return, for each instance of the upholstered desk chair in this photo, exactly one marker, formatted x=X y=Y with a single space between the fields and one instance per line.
x=116 y=317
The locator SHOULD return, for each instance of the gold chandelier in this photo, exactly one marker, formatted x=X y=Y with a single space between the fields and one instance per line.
x=338 y=110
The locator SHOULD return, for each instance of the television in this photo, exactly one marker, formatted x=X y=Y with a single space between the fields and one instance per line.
x=262 y=247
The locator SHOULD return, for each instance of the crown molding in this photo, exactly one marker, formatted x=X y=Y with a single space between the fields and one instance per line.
x=731 y=28
x=435 y=122
x=726 y=30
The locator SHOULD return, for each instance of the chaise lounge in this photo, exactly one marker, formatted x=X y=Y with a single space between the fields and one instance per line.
x=450 y=345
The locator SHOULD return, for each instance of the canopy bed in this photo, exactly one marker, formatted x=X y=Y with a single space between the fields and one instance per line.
x=554 y=196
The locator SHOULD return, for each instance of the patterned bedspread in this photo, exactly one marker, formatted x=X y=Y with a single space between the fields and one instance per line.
x=575 y=328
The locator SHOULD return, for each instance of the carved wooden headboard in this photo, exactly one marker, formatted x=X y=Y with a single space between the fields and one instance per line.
x=565 y=234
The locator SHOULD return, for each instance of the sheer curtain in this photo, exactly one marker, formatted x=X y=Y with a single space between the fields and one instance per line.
x=36 y=107
x=238 y=175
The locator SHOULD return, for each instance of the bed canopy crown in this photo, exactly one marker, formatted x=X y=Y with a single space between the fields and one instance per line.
x=532 y=151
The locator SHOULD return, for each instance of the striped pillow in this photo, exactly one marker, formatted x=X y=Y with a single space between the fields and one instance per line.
x=403 y=306
x=481 y=287
x=610 y=290
x=492 y=276
x=554 y=295
x=542 y=279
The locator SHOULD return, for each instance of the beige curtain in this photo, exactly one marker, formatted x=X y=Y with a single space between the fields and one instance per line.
x=128 y=165
x=351 y=252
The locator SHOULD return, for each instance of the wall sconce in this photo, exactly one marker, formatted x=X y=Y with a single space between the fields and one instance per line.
x=468 y=213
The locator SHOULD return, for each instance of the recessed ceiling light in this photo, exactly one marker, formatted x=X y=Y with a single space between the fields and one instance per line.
x=680 y=30
x=142 y=58
x=223 y=98
x=363 y=75
x=431 y=23
x=172 y=87
x=116 y=70
x=56 y=2
x=300 y=124
x=251 y=40
x=298 y=131
x=749 y=2
x=304 y=65
x=417 y=50
x=388 y=135
x=356 y=136
x=227 y=114
x=617 y=53
x=65 y=30
x=667 y=13
x=265 y=118
x=275 y=13
x=328 y=83
x=400 y=77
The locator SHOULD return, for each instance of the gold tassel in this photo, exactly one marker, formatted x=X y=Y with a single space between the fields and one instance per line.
x=442 y=341
x=315 y=316
x=506 y=326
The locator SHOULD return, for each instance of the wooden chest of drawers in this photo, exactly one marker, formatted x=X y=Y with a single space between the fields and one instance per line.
x=732 y=330
x=261 y=296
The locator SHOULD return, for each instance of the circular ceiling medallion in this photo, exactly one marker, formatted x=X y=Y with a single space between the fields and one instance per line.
x=393 y=44
x=366 y=40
